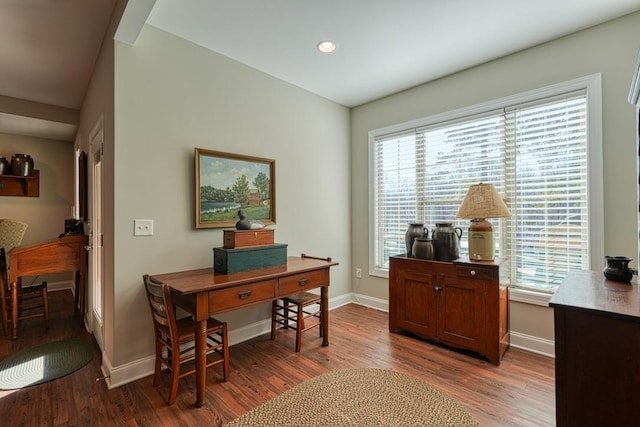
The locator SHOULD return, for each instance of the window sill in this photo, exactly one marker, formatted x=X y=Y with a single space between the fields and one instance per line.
x=529 y=297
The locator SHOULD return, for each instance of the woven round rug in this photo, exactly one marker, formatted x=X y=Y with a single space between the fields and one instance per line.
x=43 y=363
x=360 y=397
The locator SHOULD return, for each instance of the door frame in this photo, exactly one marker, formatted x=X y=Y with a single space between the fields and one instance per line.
x=95 y=227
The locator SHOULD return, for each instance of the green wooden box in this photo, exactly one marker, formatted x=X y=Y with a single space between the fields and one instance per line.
x=229 y=261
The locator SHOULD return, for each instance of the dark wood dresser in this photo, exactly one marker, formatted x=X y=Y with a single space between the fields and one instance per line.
x=597 y=340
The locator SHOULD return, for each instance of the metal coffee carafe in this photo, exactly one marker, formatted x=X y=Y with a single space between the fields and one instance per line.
x=446 y=241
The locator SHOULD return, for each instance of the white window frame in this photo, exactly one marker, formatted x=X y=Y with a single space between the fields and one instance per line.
x=593 y=86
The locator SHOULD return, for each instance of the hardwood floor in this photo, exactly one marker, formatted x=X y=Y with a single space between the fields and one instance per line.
x=519 y=392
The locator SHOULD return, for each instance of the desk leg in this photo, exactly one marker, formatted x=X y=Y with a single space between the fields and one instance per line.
x=324 y=307
x=200 y=330
x=14 y=310
x=201 y=315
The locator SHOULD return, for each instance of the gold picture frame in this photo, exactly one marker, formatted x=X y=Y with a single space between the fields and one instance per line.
x=226 y=183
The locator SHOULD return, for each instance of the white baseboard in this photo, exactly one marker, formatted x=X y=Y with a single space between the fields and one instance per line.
x=518 y=340
x=123 y=374
x=60 y=286
x=340 y=300
x=120 y=375
x=115 y=376
x=533 y=344
x=371 y=302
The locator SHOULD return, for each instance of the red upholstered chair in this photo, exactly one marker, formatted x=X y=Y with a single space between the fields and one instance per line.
x=294 y=312
x=175 y=339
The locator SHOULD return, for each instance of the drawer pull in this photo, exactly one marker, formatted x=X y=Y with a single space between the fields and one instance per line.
x=472 y=272
x=437 y=288
x=245 y=294
x=303 y=282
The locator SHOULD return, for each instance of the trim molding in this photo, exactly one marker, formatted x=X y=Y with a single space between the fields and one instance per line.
x=634 y=92
x=371 y=302
x=61 y=286
x=116 y=376
x=123 y=374
x=529 y=297
x=533 y=344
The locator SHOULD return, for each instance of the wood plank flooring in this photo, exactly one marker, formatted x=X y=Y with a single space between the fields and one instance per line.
x=519 y=392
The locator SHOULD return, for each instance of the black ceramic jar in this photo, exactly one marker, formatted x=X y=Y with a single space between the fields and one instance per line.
x=5 y=166
x=617 y=269
x=21 y=165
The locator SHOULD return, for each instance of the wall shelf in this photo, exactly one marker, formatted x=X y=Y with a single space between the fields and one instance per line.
x=20 y=186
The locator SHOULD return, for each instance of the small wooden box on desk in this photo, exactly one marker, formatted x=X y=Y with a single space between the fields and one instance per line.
x=462 y=304
x=597 y=340
x=233 y=239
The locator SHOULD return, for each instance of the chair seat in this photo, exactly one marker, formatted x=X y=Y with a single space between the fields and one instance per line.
x=304 y=298
x=185 y=328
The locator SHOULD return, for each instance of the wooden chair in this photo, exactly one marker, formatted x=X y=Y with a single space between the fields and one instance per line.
x=32 y=300
x=293 y=311
x=175 y=339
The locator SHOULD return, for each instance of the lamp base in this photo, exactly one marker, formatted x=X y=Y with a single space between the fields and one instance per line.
x=481 y=246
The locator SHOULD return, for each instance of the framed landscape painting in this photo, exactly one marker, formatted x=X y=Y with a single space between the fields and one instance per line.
x=226 y=183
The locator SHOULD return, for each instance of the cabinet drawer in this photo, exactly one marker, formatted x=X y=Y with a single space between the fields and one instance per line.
x=473 y=272
x=238 y=296
x=302 y=282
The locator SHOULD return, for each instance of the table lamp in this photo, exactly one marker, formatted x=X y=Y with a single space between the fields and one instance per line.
x=482 y=201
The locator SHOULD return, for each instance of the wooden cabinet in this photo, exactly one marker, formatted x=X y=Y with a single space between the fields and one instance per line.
x=597 y=340
x=26 y=186
x=462 y=304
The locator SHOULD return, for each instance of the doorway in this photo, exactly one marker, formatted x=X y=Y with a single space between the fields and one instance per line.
x=96 y=232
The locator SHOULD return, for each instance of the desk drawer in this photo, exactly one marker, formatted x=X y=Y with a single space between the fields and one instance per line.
x=302 y=282
x=238 y=296
x=474 y=272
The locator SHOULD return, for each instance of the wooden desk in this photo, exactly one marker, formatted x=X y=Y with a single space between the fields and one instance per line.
x=597 y=340
x=204 y=293
x=59 y=255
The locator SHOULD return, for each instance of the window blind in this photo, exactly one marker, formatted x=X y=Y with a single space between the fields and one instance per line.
x=536 y=156
x=548 y=233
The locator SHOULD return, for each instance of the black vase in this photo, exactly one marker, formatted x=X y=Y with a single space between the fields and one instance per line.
x=415 y=230
x=21 y=165
x=617 y=269
x=5 y=166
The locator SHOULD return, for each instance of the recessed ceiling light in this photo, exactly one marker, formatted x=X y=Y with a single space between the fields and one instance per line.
x=326 y=46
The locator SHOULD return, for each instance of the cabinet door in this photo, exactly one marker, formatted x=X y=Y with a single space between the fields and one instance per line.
x=416 y=302
x=462 y=312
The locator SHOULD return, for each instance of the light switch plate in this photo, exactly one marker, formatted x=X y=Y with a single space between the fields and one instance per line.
x=143 y=227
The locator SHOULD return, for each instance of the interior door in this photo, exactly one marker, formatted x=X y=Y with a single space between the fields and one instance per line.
x=96 y=272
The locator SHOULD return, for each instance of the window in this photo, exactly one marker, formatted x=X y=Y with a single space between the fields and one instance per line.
x=541 y=150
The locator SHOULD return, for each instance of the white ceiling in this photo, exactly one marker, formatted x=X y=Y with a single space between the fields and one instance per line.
x=48 y=51
x=384 y=46
x=48 y=48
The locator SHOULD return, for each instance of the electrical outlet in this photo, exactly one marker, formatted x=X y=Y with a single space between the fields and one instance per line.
x=359 y=273
x=143 y=227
